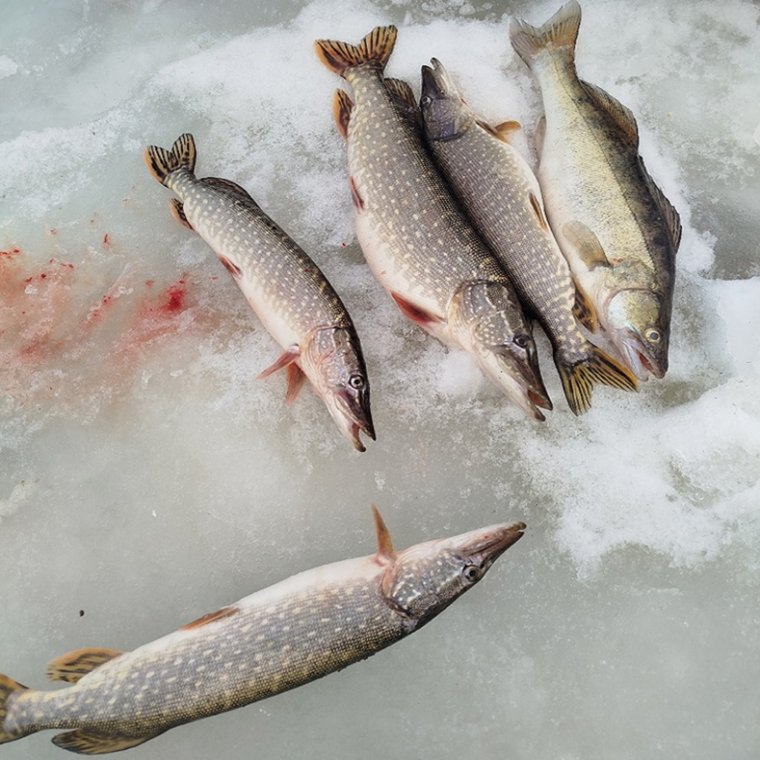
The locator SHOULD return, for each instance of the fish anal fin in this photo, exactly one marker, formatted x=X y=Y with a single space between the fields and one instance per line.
x=85 y=743
x=211 y=617
x=73 y=666
x=342 y=106
x=585 y=311
x=296 y=378
x=230 y=187
x=385 y=550
x=538 y=210
x=178 y=212
x=415 y=313
x=289 y=356
x=620 y=114
x=586 y=244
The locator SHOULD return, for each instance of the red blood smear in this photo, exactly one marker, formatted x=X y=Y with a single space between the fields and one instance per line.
x=173 y=298
x=11 y=253
x=107 y=240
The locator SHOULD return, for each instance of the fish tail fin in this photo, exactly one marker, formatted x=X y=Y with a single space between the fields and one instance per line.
x=8 y=687
x=578 y=377
x=375 y=48
x=161 y=162
x=560 y=31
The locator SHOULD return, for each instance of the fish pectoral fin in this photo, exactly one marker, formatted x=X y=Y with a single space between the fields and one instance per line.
x=538 y=210
x=85 y=743
x=504 y=131
x=587 y=244
x=342 y=107
x=229 y=186
x=296 y=378
x=178 y=212
x=72 y=666
x=290 y=355
x=585 y=311
x=385 y=550
x=415 y=313
x=621 y=115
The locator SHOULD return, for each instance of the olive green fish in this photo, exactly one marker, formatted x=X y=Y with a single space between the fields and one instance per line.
x=416 y=240
x=502 y=197
x=284 y=636
x=286 y=289
x=617 y=230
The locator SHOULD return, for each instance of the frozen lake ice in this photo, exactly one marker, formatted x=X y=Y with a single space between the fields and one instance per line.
x=147 y=478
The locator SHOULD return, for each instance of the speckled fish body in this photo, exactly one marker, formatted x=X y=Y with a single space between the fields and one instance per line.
x=502 y=197
x=284 y=636
x=415 y=239
x=286 y=289
x=616 y=228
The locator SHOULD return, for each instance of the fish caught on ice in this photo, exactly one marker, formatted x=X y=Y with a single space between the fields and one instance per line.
x=617 y=230
x=416 y=240
x=286 y=289
x=279 y=638
x=501 y=195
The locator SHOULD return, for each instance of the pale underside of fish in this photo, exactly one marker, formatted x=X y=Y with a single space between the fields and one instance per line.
x=614 y=225
x=279 y=638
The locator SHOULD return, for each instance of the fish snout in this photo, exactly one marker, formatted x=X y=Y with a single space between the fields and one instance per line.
x=483 y=547
x=526 y=387
x=354 y=416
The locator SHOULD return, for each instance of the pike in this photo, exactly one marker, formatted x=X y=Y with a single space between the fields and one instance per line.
x=416 y=240
x=286 y=289
x=617 y=230
x=502 y=197
x=284 y=636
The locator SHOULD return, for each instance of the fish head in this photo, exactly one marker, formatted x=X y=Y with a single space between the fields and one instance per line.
x=332 y=359
x=485 y=320
x=444 y=113
x=426 y=578
x=638 y=325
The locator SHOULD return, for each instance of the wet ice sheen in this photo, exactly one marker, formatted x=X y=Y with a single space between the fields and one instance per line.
x=147 y=479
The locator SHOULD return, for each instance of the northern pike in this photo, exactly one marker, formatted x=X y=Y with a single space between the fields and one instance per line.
x=284 y=636
x=502 y=197
x=416 y=240
x=286 y=289
x=617 y=230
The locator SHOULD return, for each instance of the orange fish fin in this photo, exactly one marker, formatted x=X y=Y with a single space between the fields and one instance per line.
x=375 y=48
x=358 y=201
x=86 y=743
x=501 y=131
x=161 y=162
x=72 y=666
x=585 y=311
x=224 y=612
x=342 y=106
x=178 y=212
x=385 y=550
x=230 y=266
x=538 y=210
x=415 y=313
x=289 y=356
x=296 y=379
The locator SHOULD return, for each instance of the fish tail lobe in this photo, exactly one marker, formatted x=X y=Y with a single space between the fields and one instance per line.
x=375 y=48
x=560 y=31
x=162 y=162
x=9 y=688
x=579 y=377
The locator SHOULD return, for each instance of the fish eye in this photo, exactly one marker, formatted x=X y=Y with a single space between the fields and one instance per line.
x=521 y=341
x=652 y=335
x=426 y=100
x=356 y=381
x=471 y=573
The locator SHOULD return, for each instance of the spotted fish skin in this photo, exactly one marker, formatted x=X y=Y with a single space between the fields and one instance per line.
x=286 y=289
x=617 y=230
x=279 y=638
x=415 y=238
x=502 y=197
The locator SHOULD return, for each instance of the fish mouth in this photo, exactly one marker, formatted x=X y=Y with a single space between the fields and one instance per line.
x=435 y=81
x=640 y=359
x=489 y=544
x=353 y=416
x=520 y=380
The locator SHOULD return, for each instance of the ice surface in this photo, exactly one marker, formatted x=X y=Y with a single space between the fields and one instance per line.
x=147 y=478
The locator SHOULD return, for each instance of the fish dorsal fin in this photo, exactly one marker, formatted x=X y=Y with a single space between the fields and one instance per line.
x=385 y=551
x=72 y=666
x=538 y=210
x=290 y=355
x=342 y=107
x=669 y=214
x=585 y=311
x=539 y=135
x=230 y=187
x=620 y=114
x=86 y=743
x=403 y=97
x=587 y=244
